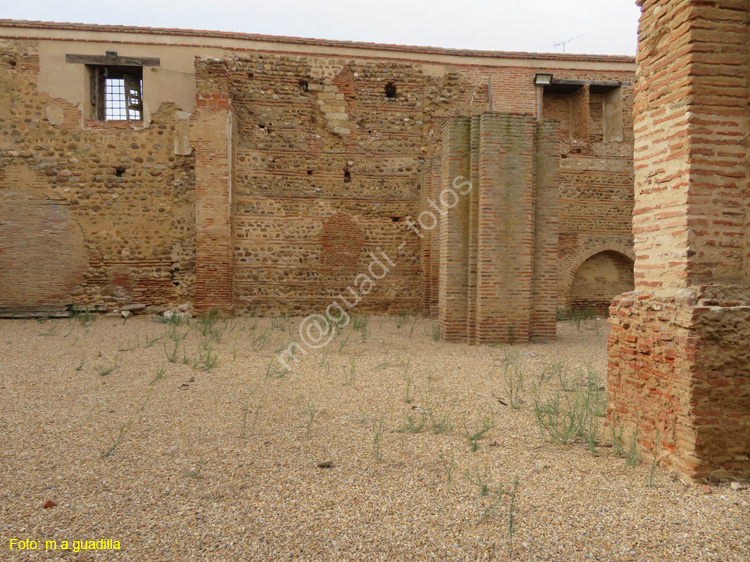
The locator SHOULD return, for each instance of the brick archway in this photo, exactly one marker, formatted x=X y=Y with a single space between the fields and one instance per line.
x=582 y=257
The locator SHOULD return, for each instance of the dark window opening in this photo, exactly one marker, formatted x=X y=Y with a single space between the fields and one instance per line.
x=250 y=74
x=309 y=172
x=12 y=63
x=119 y=172
x=395 y=219
x=347 y=176
x=390 y=90
x=303 y=85
x=117 y=93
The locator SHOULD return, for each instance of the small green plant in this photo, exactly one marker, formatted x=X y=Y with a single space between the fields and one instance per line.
x=511 y=335
x=84 y=317
x=618 y=445
x=551 y=371
x=343 y=340
x=498 y=497
x=275 y=370
x=475 y=434
x=361 y=324
x=52 y=331
x=350 y=373
x=655 y=451
x=377 y=436
x=118 y=439
x=409 y=380
x=512 y=513
x=172 y=355
x=142 y=409
x=389 y=362
x=151 y=341
x=449 y=465
x=413 y=325
x=129 y=346
x=309 y=412
x=514 y=377
x=324 y=357
x=578 y=315
x=260 y=339
x=436 y=332
x=175 y=334
x=480 y=479
x=561 y=418
x=246 y=403
x=80 y=365
x=440 y=419
x=280 y=322
x=403 y=318
x=633 y=456
x=414 y=424
x=160 y=372
x=104 y=371
x=206 y=361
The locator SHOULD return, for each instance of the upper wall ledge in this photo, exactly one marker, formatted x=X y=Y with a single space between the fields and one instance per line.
x=122 y=33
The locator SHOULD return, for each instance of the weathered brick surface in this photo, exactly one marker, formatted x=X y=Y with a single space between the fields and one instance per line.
x=99 y=214
x=292 y=165
x=679 y=362
x=498 y=252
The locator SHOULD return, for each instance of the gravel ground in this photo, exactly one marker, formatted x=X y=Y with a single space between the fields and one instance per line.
x=223 y=464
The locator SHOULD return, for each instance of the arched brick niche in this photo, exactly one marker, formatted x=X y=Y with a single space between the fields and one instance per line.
x=600 y=279
x=342 y=241
x=597 y=276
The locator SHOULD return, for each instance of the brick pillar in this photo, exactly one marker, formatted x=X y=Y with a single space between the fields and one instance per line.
x=506 y=228
x=543 y=324
x=498 y=252
x=454 y=231
x=430 y=182
x=473 y=255
x=582 y=115
x=679 y=370
x=212 y=133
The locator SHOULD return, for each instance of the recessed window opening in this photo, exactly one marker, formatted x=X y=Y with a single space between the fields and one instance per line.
x=390 y=90
x=117 y=93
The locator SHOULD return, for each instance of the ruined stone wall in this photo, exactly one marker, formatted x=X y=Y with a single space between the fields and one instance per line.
x=98 y=215
x=272 y=189
x=679 y=371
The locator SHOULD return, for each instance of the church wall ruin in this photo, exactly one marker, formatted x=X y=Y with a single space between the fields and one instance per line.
x=266 y=171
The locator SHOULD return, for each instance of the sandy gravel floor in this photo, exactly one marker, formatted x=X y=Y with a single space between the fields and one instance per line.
x=181 y=463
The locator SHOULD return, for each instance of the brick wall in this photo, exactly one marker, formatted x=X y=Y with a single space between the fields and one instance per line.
x=679 y=374
x=242 y=211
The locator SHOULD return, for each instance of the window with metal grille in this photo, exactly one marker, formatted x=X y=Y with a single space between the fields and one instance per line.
x=116 y=93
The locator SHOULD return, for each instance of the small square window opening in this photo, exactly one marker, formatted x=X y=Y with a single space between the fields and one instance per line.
x=116 y=93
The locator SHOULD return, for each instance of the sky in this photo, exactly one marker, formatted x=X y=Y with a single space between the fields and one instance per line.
x=586 y=26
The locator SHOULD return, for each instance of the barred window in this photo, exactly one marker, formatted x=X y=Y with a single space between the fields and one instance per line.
x=116 y=93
